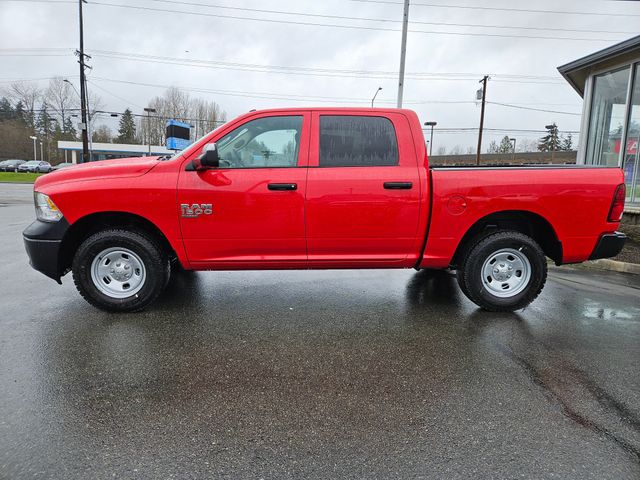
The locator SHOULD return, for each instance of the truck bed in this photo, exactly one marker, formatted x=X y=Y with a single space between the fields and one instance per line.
x=573 y=199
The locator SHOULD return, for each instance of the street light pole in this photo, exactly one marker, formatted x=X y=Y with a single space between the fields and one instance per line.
x=41 y=152
x=375 y=95
x=431 y=124
x=403 y=51
x=34 y=138
x=553 y=131
x=149 y=112
x=514 y=148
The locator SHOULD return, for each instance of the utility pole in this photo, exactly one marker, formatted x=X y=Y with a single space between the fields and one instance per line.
x=484 y=97
x=83 y=90
x=403 y=51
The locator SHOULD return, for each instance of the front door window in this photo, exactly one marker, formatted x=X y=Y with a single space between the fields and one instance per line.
x=262 y=143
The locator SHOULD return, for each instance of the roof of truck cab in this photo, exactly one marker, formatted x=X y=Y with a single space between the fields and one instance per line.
x=332 y=109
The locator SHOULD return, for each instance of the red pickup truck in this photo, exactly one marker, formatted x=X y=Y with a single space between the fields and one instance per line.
x=318 y=189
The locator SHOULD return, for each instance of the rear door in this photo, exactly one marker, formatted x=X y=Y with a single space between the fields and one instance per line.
x=363 y=190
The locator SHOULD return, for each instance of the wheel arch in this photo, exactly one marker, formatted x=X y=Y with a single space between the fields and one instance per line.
x=524 y=221
x=95 y=222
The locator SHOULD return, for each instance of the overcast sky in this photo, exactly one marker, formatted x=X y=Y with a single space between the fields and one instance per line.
x=316 y=56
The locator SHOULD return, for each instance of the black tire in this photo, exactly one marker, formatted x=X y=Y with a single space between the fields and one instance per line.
x=154 y=259
x=470 y=272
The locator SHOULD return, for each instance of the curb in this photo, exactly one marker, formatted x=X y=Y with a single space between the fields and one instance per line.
x=615 y=266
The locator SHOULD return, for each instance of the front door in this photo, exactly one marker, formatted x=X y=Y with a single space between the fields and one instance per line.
x=249 y=212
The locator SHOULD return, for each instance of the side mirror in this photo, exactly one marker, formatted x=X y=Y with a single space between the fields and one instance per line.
x=208 y=158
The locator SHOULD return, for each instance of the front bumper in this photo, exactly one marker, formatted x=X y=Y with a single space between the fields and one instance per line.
x=43 y=240
x=609 y=245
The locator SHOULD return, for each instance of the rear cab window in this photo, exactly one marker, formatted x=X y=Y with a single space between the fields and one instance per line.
x=357 y=141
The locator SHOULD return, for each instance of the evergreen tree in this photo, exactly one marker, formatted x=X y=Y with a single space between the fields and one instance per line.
x=45 y=123
x=127 y=128
x=551 y=141
x=48 y=128
x=567 y=143
x=505 y=145
x=6 y=110
x=20 y=112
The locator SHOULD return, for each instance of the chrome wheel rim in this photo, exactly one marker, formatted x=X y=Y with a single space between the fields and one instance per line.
x=118 y=272
x=506 y=272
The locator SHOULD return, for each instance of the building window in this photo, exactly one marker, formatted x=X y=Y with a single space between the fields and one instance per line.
x=606 y=121
x=357 y=141
x=630 y=165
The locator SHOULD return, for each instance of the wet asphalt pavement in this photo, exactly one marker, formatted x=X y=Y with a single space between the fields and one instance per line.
x=332 y=374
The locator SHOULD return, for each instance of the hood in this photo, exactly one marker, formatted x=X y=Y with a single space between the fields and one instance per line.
x=120 y=168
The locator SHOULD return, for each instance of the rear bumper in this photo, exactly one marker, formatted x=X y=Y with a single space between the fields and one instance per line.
x=609 y=245
x=42 y=240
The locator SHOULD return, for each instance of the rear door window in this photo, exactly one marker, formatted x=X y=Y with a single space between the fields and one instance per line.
x=357 y=141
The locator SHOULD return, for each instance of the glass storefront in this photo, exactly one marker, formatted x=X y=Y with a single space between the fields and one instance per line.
x=614 y=119
x=606 y=119
x=631 y=167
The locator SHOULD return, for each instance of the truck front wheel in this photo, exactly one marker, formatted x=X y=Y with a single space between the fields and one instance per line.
x=503 y=271
x=119 y=270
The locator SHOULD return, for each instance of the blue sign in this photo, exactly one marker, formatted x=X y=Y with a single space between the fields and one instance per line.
x=178 y=135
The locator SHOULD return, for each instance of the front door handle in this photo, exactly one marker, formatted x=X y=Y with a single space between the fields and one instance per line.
x=398 y=185
x=282 y=186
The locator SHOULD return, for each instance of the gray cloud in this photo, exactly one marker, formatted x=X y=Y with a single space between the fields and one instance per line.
x=49 y=25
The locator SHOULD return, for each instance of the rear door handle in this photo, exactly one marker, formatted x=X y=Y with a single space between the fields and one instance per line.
x=282 y=186
x=398 y=185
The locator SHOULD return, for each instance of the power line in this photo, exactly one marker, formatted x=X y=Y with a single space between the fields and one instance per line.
x=37 y=49
x=384 y=20
x=358 y=27
x=23 y=55
x=114 y=95
x=418 y=4
x=534 y=109
x=322 y=72
x=34 y=79
x=38 y=1
x=413 y=4
x=306 y=98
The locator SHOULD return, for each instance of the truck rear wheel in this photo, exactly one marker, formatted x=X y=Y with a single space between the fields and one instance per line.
x=120 y=271
x=503 y=271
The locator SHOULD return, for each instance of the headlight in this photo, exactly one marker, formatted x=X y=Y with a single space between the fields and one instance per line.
x=46 y=210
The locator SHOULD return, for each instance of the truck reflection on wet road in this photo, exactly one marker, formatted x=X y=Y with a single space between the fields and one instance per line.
x=317 y=375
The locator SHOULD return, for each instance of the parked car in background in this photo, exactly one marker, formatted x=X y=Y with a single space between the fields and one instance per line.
x=61 y=166
x=35 y=166
x=11 y=165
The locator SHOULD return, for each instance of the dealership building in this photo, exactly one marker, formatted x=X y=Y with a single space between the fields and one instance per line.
x=609 y=83
x=106 y=151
